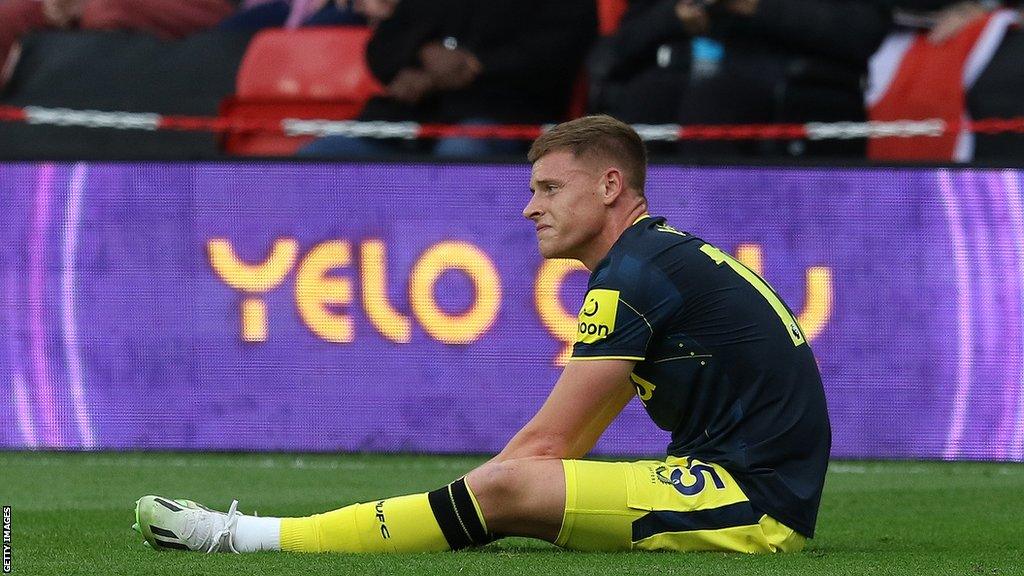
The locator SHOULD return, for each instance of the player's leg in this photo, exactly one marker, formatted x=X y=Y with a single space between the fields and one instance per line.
x=679 y=504
x=523 y=498
x=443 y=519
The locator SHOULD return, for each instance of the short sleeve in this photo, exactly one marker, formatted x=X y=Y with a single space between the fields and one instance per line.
x=627 y=302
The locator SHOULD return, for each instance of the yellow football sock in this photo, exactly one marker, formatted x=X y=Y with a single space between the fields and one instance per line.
x=447 y=518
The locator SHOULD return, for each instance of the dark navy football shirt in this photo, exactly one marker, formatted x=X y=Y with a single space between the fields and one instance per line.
x=721 y=363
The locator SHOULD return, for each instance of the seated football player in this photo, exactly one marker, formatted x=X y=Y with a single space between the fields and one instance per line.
x=709 y=348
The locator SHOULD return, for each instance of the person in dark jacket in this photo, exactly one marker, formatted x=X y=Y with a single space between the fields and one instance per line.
x=639 y=73
x=471 y=62
x=738 y=62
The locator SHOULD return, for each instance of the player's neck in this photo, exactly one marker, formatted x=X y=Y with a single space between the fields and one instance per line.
x=611 y=233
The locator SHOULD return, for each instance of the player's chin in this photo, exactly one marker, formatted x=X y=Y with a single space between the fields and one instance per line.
x=549 y=250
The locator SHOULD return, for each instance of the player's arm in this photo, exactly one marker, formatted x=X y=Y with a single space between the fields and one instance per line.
x=587 y=397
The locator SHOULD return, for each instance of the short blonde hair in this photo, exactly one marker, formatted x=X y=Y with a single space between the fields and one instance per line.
x=598 y=136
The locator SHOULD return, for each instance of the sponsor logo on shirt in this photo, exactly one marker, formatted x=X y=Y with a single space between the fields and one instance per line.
x=597 y=315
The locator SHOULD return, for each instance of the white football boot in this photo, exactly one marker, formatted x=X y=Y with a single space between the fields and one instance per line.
x=168 y=524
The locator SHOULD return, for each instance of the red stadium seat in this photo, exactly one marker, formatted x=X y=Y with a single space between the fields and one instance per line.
x=307 y=73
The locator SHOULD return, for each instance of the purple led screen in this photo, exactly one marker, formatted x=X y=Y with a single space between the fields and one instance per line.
x=334 y=307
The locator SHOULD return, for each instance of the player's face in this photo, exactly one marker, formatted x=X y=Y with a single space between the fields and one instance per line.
x=565 y=204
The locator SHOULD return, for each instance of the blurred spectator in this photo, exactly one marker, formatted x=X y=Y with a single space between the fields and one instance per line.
x=639 y=73
x=258 y=14
x=168 y=19
x=471 y=62
x=925 y=69
x=784 y=61
x=740 y=62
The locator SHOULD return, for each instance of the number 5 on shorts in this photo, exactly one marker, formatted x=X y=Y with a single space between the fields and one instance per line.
x=792 y=328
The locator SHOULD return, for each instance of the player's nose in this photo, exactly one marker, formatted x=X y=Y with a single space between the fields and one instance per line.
x=532 y=211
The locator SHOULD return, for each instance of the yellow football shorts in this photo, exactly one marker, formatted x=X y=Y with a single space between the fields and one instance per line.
x=680 y=504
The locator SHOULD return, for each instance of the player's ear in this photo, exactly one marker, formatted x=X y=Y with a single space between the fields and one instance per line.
x=612 y=185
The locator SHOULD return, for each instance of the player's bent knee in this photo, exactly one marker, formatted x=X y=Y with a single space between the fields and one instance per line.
x=494 y=481
x=519 y=489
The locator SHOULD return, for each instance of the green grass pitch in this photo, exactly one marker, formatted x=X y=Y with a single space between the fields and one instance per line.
x=72 y=513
